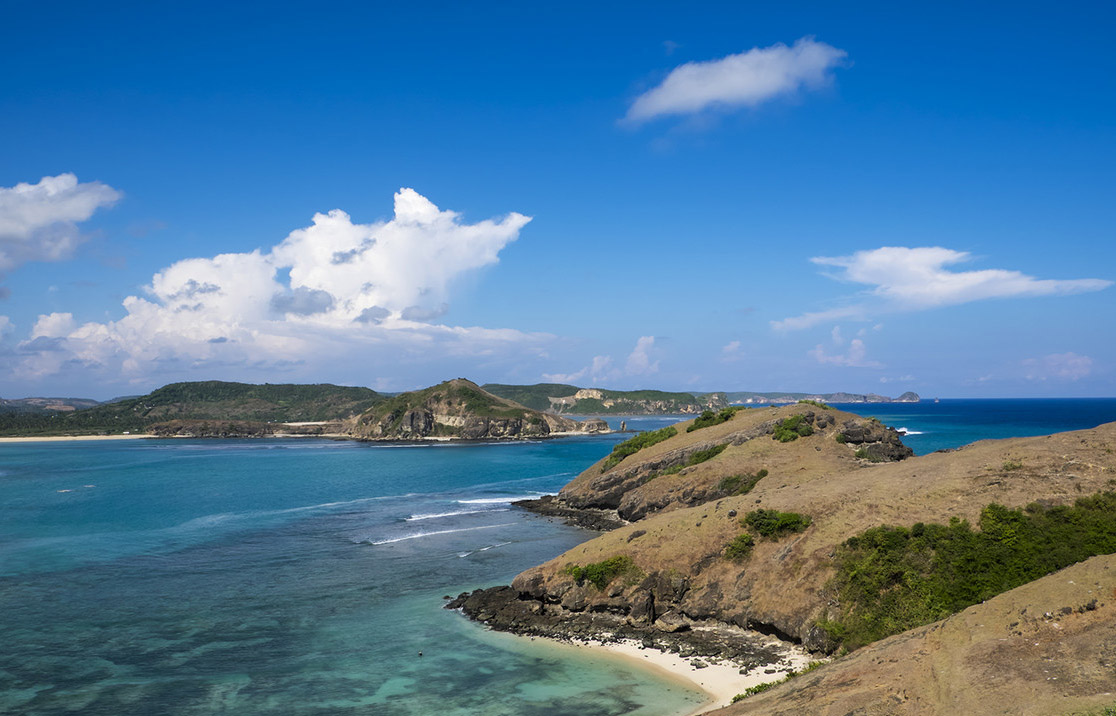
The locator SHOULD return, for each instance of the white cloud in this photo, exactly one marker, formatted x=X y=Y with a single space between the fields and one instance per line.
x=601 y=370
x=900 y=379
x=911 y=279
x=639 y=361
x=1058 y=366
x=332 y=291
x=38 y=222
x=855 y=357
x=746 y=79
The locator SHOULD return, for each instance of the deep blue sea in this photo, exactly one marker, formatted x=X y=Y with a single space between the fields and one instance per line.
x=305 y=576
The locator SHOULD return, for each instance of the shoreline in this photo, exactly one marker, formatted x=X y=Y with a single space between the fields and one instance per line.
x=719 y=679
x=69 y=438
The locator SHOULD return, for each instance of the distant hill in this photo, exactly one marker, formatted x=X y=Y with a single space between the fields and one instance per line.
x=44 y=405
x=744 y=397
x=205 y=400
x=460 y=409
x=571 y=400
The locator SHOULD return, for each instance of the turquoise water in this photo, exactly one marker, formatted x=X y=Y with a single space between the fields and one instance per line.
x=952 y=423
x=285 y=577
x=305 y=576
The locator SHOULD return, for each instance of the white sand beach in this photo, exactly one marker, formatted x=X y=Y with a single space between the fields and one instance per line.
x=70 y=438
x=720 y=680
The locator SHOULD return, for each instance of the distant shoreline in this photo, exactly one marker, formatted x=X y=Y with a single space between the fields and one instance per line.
x=67 y=438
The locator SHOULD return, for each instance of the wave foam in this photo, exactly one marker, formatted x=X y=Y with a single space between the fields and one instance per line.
x=502 y=500
x=437 y=532
x=436 y=515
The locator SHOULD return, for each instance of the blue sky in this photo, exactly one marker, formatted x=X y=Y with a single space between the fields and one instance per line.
x=792 y=196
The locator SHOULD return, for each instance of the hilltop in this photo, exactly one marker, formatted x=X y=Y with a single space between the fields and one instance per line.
x=571 y=400
x=815 y=525
x=200 y=401
x=460 y=409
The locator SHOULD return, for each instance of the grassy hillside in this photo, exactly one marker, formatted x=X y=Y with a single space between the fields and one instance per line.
x=206 y=400
x=571 y=400
x=457 y=409
x=535 y=396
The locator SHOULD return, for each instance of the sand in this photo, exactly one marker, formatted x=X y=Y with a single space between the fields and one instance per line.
x=67 y=438
x=720 y=680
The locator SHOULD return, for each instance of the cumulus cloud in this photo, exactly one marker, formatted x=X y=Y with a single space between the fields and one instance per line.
x=1058 y=366
x=855 y=357
x=296 y=303
x=911 y=279
x=38 y=222
x=638 y=363
x=639 y=360
x=743 y=80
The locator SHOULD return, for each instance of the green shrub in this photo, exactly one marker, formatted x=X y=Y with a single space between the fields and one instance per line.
x=815 y=403
x=1010 y=465
x=792 y=428
x=841 y=438
x=863 y=454
x=708 y=418
x=708 y=454
x=740 y=548
x=890 y=579
x=601 y=574
x=773 y=524
x=740 y=484
x=636 y=443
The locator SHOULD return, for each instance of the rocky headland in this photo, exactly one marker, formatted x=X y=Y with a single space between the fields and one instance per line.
x=740 y=526
x=460 y=409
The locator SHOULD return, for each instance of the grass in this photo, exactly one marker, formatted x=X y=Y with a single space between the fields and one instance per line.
x=1010 y=465
x=760 y=688
x=815 y=403
x=600 y=574
x=636 y=443
x=773 y=524
x=792 y=428
x=890 y=579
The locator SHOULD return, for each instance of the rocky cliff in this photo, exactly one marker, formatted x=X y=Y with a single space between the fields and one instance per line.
x=685 y=561
x=460 y=409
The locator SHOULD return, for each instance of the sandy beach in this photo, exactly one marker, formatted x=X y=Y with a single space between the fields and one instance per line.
x=720 y=680
x=68 y=438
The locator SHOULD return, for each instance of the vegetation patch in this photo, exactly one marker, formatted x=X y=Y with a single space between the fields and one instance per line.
x=792 y=428
x=760 y=688
x=740 y=548
x=601 y=574
x=1010 y=465
x=864 y=454
x=700 y=456
x=709 y=418
x=890 y=579
x=773 y=524
x=815 y=403
x=636 y=443
x=740 y=484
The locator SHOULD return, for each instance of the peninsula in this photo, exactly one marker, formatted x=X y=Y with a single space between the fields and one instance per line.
x=820 y=527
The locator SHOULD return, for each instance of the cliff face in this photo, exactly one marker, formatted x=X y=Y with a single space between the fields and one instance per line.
x=685 y=496
x=571 y=400
x=460 y=409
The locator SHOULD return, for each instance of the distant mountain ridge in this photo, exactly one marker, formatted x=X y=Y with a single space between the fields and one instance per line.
x=743 y=397
x=565 y=399
x=210 y=400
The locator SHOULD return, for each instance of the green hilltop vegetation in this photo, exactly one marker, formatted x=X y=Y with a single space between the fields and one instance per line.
x=205 y=400
x=535 y=397
x=572 y=400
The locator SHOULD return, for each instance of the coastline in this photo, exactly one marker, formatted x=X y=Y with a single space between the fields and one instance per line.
x=721 y=680
x=69 y=438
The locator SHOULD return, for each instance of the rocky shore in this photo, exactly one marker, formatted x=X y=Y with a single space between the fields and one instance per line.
x=504 y=609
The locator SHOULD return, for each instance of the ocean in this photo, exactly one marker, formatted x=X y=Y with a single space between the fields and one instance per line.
x=305 y=576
